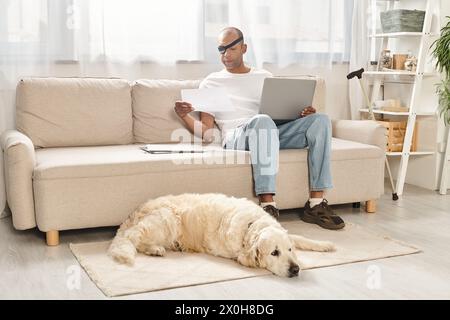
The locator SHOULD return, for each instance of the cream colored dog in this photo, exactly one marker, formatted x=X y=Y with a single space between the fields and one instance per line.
x=215 y=224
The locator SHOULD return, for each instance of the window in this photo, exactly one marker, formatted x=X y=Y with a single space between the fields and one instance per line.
x=289 y=30
x=277 y=31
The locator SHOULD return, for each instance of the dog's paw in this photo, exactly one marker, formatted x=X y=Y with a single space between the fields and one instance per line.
x=122 y=251
x=125 y=260
x=155 y=251
x=122 y=257
x=326 y=246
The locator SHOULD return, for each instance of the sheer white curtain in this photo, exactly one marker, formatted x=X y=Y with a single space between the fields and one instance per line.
x=311 y=33
x=151 y=30
x=365 y=21
x=155 y=30
x=43 y=37
x=359 y=52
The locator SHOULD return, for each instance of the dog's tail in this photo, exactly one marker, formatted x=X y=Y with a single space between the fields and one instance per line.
x=312 y=245
x=122 y=249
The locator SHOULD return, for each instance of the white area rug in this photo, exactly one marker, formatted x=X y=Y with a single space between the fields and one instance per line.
x=354 y=244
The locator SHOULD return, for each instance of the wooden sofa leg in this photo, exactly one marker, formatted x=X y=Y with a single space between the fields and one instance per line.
x=371 y=206
x=52 y=237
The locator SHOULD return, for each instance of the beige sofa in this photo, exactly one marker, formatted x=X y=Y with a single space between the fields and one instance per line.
x=74 y=160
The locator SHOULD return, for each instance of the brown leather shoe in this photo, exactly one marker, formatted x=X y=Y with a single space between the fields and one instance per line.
x=322 y=215
x=270 y=209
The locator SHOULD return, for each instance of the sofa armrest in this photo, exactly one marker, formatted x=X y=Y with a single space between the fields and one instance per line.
x=19 y=162
x=363 y=131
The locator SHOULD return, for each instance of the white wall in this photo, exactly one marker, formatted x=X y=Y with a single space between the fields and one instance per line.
x=425 y=171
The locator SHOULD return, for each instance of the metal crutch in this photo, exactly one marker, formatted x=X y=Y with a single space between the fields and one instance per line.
x=358 y=74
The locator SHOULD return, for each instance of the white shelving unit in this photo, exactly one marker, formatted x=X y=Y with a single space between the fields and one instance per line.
x=396 y=34
x=378 y=78
x=399 y=73
x=393 y=113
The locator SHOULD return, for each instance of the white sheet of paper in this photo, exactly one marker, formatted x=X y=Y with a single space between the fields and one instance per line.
x=208 y=100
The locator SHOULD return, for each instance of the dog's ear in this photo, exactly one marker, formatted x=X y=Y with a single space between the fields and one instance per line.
x=251 y=257
x=257 y=258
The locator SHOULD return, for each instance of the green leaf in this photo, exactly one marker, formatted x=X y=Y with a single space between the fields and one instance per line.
x=441 y=52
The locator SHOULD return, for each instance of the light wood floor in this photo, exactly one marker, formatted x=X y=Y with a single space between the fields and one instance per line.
x=31 y=270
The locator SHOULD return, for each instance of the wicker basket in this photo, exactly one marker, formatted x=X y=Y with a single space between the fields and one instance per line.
x=401 y=20
x=395 y=132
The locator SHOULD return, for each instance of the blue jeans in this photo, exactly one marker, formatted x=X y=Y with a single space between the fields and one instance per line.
x=263 y=138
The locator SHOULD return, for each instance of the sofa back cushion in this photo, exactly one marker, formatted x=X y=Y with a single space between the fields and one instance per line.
x=67 y=112
x=155 y=120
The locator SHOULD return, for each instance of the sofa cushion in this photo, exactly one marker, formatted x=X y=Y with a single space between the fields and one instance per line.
x=154 y=118
x=101 y=186
x=65 y=112
x=79 y=162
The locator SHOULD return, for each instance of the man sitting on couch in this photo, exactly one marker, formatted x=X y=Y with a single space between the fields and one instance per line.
x=246 y=129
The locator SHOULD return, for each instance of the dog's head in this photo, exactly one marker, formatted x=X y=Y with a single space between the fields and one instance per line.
x=273 y=250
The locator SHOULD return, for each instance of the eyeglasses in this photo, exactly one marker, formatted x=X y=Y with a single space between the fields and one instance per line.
x=223 y=49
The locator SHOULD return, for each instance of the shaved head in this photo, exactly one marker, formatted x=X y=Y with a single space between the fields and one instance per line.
x=232 y=30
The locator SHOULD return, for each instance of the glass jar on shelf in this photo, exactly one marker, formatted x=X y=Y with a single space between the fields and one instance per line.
x=411 y=62
x=385 y=60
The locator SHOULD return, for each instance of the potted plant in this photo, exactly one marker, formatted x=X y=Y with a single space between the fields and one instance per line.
x=441 y=52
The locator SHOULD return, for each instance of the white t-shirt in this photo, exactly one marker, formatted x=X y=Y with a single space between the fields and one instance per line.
x=244 y=90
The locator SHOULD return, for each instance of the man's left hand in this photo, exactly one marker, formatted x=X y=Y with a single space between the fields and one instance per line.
x=306 y=112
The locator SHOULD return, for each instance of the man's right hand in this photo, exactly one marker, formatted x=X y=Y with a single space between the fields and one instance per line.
x=182 y=108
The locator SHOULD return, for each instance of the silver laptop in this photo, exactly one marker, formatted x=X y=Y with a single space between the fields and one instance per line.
x=283 y=98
